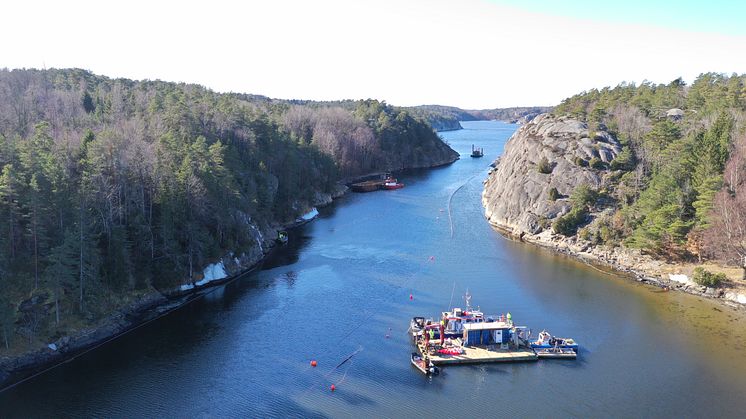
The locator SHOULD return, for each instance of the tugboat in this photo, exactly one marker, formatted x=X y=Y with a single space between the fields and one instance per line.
x=424 y=364
x=476 y=151
x=391 y=183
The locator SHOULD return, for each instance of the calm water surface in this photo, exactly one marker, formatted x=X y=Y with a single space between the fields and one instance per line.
x=343 y=287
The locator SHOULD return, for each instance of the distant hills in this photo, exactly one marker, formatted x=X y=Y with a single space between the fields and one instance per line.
x=440 y=117
x=446 y=118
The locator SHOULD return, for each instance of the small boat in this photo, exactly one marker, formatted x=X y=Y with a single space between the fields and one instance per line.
x=424 y=365
x=476 y=151
x=556 y=353
x=547 y=341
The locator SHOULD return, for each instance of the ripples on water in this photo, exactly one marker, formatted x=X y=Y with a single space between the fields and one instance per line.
x=343 y=284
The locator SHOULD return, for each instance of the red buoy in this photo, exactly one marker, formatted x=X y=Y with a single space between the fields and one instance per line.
x=313 y=363
x=432 y=258
x=333 y=387
x=411 y=297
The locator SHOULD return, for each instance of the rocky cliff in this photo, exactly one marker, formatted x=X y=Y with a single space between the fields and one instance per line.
x=561 y=153
x=516 y=195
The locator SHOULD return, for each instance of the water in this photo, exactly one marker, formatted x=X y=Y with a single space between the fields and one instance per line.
x=343 y=285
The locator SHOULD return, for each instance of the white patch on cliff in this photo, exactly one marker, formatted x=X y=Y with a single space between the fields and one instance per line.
x=259 y=238
x=680 y=278
x=310 y=215
x=213 y=272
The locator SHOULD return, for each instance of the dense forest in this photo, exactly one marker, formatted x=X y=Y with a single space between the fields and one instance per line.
x=111 y=188
x=678 y=189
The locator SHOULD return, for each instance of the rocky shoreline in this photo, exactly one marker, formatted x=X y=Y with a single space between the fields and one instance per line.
x=631 y=263
x=157 y=303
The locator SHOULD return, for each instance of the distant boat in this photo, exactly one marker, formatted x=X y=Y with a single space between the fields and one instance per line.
x=391 y=183
x=476 y=151
x=386 y=181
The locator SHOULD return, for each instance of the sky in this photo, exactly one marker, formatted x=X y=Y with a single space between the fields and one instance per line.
x=474 y=54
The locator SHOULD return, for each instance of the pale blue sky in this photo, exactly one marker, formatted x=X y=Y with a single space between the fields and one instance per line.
x=716 y=16
x=474 y=54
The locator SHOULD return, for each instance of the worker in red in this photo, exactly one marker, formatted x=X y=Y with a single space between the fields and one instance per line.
x=442 y=330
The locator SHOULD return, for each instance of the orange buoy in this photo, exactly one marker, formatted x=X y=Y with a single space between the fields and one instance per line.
x=333 y=387
x=313 y=363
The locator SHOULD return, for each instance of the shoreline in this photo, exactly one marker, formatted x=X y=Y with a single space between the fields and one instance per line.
x=627 y=263
x=152 y=305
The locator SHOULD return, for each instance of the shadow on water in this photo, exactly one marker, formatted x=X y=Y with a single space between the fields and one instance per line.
x=288 y=254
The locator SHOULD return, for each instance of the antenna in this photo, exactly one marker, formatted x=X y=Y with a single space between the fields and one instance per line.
x=450 y=303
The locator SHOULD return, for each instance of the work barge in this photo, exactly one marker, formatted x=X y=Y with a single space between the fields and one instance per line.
x=470 y=337
x=483 y=355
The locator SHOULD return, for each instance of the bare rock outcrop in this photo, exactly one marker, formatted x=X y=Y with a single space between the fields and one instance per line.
x=516 y=194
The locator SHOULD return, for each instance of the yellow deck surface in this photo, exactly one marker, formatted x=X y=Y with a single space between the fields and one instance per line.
x=478 y=355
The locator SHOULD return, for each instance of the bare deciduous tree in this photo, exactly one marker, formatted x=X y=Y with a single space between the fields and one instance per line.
x=727 y=235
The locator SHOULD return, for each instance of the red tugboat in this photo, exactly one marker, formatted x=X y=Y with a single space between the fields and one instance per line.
x=391 y=183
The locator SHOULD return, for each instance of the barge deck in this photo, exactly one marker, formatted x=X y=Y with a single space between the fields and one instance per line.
x=481 y=355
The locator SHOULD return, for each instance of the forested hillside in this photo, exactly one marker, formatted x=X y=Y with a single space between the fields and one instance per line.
x=111 y=187
x=678 y=188
x=371 y=136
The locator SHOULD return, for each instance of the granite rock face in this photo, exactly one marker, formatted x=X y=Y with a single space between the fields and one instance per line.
x=516 y=193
